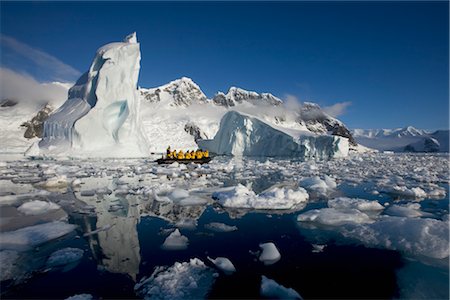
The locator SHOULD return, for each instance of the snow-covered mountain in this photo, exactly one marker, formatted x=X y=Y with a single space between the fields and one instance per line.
x=180 y=92
x=236 y=96
x=407 y=139
x=106 y=114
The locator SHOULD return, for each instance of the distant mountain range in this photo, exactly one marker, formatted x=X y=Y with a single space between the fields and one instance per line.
x=407 y=139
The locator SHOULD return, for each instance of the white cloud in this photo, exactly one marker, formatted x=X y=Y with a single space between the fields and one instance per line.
x=51 y=64
x=24 y=88
x=337 y=109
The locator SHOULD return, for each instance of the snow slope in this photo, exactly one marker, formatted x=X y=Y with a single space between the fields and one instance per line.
x=408 y=139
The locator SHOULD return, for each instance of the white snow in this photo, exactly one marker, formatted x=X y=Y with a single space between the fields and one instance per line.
x=271 y=289
x=37 y=207
x=187 y=280
x=175 y=241
x=64 y=256
x=220 y=227
x=29 y=237
x=269 y=254
x=223 y=264
x=275 y=198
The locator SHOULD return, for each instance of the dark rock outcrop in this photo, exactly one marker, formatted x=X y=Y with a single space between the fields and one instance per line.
x=35 y=127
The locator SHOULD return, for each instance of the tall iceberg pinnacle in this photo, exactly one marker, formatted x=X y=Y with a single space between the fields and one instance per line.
x=102 y=109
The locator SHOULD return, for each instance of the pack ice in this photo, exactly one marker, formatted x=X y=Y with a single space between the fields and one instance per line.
x=101 y=111
x=243 y=135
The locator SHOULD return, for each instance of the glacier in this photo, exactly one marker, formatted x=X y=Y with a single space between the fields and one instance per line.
x=243 y=135
x=102 y=109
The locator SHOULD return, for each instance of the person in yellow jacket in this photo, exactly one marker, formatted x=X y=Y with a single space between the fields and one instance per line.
x=180 y=154
x=188 y=155
x=199 y=154
x=192 y=154
x=206 y=153
x=169 y=155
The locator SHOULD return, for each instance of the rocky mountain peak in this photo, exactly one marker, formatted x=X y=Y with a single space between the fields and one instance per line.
x=237 y=95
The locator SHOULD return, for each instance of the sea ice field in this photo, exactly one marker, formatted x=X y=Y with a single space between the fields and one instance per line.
x=370 y=225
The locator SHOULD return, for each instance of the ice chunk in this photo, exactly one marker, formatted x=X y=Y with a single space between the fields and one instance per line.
x=403 y=191
x=37 y=207
x=64 y=256
x=81 y=297
x=359 y=204
x=175 y=241
x=187 y=280
x=178 y=194
x=243 y=135
x=411 y=210
x=28 y=237
x=419 y=237
x=220 y=227
x=55 y=182
x=271 y=289
x=269 y=254
x=318 y=248
x=334 y=217
x=318 y=185
x=276 y=198
x=223 y=264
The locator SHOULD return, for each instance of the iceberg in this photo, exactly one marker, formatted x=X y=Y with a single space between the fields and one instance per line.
x=102 y=109
x=187 y=280
x=242 y=135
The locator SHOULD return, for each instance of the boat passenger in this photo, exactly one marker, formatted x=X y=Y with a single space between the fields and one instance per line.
x=199 y=154
x=170 y=155
x=188 y=155
x=180 y=155
x=206 y=153
x=168 y=150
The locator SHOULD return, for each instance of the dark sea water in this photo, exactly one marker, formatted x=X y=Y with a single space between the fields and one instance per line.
x=117 y=258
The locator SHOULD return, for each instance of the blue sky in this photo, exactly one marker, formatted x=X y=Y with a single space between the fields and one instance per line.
x=389 y=60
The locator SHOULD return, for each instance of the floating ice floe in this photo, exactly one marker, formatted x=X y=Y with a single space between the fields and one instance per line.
x=13 y=199
x=403 y=191
x=223 y=264
x=187 y=280
x=320 y=186
x=175 y=241
x=64 y=256
x=276 y=198
x=55 y=182
x=29 y=237
x=37 y=207
x=359 y=204
x=220 y=227
x=334 y=217
x=318 y=248
x=269 y=254
x=410 y=210
x=415 y=236
x=183 y=198
x=81 y=297
x=271 y=289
